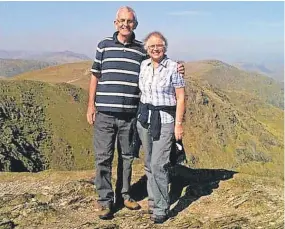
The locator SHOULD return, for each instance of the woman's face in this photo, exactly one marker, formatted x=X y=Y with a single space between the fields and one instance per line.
x=155 y=48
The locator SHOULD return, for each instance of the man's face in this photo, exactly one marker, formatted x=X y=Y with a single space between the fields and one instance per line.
x=155 y=48
x=125 y=23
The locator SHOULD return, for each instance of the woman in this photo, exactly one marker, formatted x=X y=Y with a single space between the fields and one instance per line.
x=160 y=116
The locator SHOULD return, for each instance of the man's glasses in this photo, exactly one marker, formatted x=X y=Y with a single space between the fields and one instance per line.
x=158 y=46
x=123 y=21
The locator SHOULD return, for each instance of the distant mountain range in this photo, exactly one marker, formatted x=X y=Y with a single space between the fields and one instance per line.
x=12 y=67
x=58 y=57
x=17 y=62
x=272 y=69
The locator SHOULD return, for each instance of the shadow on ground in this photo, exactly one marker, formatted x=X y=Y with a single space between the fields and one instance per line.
x=187 y=185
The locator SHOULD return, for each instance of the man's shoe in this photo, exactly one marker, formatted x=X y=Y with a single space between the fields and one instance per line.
x=158 y=219
x=131 y=204
x=105 y=213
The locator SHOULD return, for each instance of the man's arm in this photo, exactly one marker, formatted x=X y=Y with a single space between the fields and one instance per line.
x=91 y=110
x=96 y=74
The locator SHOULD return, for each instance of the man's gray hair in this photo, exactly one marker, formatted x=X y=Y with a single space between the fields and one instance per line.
x=156 y=34
x=129 y=9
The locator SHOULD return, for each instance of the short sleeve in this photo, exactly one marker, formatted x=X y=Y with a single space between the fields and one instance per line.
x=97 y=64
x=177 y=79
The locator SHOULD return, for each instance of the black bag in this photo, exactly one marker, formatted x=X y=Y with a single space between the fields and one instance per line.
x=177 y=154
x=134 y=139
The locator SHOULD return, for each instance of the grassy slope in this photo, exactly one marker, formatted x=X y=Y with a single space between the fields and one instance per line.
x=233 y=137
x=75 y=73
x=68 y=144
x=227 y=77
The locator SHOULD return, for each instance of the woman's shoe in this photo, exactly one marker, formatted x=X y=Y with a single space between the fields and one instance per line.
x=158 y=219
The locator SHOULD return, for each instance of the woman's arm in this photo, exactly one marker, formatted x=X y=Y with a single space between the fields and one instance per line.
x=180 y=110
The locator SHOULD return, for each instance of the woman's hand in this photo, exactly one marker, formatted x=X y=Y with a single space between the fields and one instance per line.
x=178 y=131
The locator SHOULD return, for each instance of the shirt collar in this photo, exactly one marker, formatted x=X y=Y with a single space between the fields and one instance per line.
x=162 y=63
x=115 y=37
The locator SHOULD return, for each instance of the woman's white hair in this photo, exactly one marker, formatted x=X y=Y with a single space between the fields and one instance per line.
x=156 y=34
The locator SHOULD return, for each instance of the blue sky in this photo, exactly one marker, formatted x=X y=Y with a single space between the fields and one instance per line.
x=229 y=31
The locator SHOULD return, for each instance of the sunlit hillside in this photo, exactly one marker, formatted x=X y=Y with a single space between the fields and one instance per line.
x=43 y=126
x=229 y=78
x=75 y=73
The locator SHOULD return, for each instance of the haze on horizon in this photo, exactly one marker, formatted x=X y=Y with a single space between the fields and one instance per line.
x=231 y=31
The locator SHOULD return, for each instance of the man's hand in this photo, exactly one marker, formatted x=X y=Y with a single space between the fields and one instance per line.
x=181 y=69
x=91 y=112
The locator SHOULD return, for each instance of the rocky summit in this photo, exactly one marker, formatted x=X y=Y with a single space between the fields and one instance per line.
x=201 y=198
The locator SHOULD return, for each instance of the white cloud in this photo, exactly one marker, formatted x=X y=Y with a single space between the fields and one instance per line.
x=188 y=12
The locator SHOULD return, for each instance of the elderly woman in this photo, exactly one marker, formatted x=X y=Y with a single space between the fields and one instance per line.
x=159 y=117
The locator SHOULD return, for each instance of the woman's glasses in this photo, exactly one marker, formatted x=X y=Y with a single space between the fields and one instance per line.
x=158 y=46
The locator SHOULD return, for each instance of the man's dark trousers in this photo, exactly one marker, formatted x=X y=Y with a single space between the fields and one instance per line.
x=109 y=126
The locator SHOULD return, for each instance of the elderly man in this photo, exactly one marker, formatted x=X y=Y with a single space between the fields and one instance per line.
x=114 y=89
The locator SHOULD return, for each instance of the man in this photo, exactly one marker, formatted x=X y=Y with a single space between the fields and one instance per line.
x=114 y=88
x=115 y=84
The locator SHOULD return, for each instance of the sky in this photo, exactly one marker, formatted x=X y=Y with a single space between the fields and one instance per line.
x=229 y=31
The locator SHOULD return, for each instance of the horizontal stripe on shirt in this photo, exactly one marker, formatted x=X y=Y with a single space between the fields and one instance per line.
x=100 y=50
x=124 y=50
x=94 y=70
x=119 y=77
x=97 y=61
x=119 y=71
x=119 y=83
x=121 y=100
x=121 y=60
x=115 y=105
x=120 y=54
x=125 y=66
x=117 y=94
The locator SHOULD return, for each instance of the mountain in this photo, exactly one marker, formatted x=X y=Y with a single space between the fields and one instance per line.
x=11 y=67
x=43 y=126
x=229 y=78
x=17 y=62
x=15 y=54
x=74 y=73
x=60 y=57
x=271 y=69
x=54 y=57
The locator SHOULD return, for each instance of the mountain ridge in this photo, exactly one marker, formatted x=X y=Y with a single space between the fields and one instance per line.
x=17 y=62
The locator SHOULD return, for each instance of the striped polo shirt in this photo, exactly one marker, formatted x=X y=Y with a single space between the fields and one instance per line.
x=118 y=67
